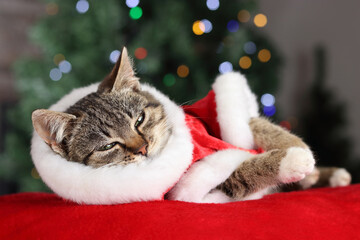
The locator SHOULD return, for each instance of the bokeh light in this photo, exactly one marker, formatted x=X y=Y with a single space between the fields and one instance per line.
x=55 y=74
x=132 y=3
x=267 y=100
x=264 y=55
x=225 y=67
x=213 y=4
x=136 y=13
x=65 y=66
x=58 y=58
x=140 y=53
x=260 y=20
x=182 y=71
x=169 y=80
x=35 y=174
x=82 y=6
x=114 y=56
x=232 y=26
x=243 y=16
x=52 y=8
x=198 y=27
x=269 y=111
x=245 y=62
x=286 y=125
x=250 y=47
x=207 y=25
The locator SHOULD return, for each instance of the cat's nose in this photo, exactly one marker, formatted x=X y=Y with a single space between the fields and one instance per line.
x=142 y=150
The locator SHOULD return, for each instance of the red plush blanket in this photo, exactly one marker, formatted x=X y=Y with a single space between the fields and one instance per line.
x=328 y=213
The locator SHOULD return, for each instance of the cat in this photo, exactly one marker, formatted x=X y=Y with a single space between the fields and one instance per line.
x=121 y=124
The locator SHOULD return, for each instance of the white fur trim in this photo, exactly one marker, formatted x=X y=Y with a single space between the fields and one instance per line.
x=148 y=180
x=340 y=178
x=235 y=105
x=203 y=176
x=297 y=163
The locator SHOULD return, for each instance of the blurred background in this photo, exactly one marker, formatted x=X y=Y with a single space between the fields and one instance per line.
x=300 y=57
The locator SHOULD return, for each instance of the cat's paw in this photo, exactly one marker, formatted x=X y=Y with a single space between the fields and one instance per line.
x=297 y=163
x=310 y=179
x=340 y=178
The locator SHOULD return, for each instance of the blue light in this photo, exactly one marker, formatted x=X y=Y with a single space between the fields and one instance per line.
x=267 y=100
x=114 y=55
x=250 y=47
x=225 y=67
x=132 y=3
x=233 y=26
x=269 y=111
x=207 y=24
x=213 y=4
x=82 y=6
x=65 y=66
x=55 y=74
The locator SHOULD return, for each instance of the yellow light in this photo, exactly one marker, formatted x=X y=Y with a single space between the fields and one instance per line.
x=245 y=62
x=52 y=8
x=35 y=174
x=243 y=16
x=264 y=55
x=198 y=28
x=182 y=71
x=260 y=20
x=58 y=58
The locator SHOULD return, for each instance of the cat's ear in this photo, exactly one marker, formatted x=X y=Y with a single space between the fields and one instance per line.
x=50 y=126
x=122 y=76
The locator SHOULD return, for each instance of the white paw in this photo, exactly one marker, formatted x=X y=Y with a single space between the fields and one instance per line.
x=297 y=163
x=340 y=178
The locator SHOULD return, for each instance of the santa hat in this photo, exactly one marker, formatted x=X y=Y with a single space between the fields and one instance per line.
x=148 y=180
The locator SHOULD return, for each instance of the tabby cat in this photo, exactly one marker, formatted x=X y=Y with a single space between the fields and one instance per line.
x=121 y=124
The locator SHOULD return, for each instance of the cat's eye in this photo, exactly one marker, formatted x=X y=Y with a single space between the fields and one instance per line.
x=140 y=120
x=107 y=146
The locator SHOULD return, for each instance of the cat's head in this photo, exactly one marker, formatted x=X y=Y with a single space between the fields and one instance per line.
x=118 y=124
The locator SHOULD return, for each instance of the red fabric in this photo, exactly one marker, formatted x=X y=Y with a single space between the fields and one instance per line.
x=328 y=213
x=201 y=118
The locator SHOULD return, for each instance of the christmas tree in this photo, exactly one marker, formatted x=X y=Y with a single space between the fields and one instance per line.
x=323 y=124
x=178 y=46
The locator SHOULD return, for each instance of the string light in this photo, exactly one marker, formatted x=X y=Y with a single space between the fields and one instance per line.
x=243 y=16
x=213 y=4
x=136 y=13
x=182 y=71
x=82 y=6
x=207 y=25
x=55 y=74
x=245 y=62
x=232 y=26
x=140 y=53
x=58 y=58
x=169 y=80
x=65 y=66
x=267 y=100
x=132 y=3
x=198 y=27
x=52 y=8
x=35 y=174
x=249 y=47
x=269 y=111
x=225 y=67
x=286 y=125
x=260 y=20
x=114 y=56
x=264 y=55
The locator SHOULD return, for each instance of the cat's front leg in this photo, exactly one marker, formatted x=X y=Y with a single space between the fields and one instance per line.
x=255 y=176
